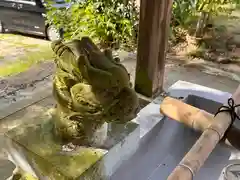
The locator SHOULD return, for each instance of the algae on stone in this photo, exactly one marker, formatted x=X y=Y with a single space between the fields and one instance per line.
x=45 y=153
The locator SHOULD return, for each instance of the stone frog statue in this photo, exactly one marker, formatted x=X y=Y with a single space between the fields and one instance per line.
x=91 y=88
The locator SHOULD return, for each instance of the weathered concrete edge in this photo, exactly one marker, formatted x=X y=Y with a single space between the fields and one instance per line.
x=17 y=106
x=121 y=152
x=149 y=117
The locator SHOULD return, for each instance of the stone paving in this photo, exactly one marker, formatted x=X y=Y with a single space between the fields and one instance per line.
x=13 y=89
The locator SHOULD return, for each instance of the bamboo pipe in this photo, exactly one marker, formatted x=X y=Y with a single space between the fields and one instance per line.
x=191 y=116
x=200 y=151
x=196 y=119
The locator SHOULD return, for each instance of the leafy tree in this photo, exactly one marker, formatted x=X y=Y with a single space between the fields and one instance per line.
x=185 y=10
x=111 y=23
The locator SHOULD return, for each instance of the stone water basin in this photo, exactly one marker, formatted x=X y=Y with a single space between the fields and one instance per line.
x=169 y=141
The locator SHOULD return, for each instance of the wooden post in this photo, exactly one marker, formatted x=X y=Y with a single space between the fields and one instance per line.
x=152 y=45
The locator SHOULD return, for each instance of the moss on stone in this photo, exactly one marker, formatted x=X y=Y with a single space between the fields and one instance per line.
x=143 y=83
x=44 y=152
x=23 y=176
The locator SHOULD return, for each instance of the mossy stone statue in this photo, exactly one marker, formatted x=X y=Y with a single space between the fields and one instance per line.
x=91 y=89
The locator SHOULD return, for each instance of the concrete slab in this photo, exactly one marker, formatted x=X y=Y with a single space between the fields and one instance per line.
x=23 y=85
x=29 y=100
x=121 y=143
x=15 y=119
x=34 y=148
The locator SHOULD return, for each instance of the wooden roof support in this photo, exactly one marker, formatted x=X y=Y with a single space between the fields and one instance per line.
x=152 y=46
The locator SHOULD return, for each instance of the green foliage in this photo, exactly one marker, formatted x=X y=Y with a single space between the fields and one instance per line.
x=185 y=15
x=212 y=6
x=182 y=12
x=185 y=10
x=114 y=23
x=110 y=23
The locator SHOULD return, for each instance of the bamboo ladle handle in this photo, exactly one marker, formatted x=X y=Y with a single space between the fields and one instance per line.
x=196 y=119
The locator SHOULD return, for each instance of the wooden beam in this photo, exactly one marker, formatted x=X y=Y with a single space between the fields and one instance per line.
x=154 y=29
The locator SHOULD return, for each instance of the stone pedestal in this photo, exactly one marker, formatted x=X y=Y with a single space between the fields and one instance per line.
x=34 y=149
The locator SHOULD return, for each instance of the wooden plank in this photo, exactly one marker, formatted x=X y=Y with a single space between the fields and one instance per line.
x=203 y=147
x=152 y=46
x=17 y=106
x=9 y=85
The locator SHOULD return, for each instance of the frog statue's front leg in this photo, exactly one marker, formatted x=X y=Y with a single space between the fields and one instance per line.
x=62 y=82
x=125 y=101
x=67 y=127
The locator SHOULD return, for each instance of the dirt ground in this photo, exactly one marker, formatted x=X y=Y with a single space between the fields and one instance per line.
x=220 y=52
